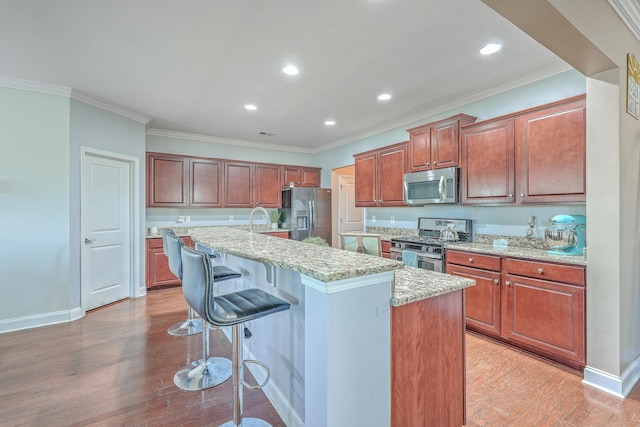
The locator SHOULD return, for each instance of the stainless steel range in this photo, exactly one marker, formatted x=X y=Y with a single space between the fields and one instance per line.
x=433 y=234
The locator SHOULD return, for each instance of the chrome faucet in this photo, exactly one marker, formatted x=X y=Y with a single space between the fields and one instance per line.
x=261 y=209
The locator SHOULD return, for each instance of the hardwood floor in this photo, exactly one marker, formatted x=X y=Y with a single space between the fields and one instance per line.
x=115 y=367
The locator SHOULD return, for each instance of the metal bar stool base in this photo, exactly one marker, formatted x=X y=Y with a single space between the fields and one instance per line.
x=199 y=376
x=248 y=422
x=185 y=328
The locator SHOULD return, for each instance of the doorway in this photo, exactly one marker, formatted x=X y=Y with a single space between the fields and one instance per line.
x=347 y=217
x=106 y=225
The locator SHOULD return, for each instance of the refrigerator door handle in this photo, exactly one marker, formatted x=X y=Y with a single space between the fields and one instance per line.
x=312 y=232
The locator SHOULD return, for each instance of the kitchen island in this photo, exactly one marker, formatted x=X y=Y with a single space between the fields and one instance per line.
x=331 y=354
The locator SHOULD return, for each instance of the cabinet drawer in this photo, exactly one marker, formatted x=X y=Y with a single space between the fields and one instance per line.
x=472 y=259
x=574 y=275
x=154 y=243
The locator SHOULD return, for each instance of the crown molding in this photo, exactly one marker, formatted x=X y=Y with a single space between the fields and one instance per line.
x=45 y=88
x=629 y=13
x=227 y=141
x=108 y=106
x=476 y=96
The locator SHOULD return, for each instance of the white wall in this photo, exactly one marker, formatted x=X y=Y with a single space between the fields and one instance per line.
x=99 y=129
x=34 y=207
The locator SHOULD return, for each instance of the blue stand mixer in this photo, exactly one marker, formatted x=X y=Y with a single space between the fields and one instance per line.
x=566 y=236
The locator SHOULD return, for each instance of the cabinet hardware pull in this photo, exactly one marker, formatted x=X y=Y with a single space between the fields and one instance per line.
x=496 y=281
x=470 y=259
x=88 y=241
x=522 y=195
x=540 y=270
x=427 y=163
x=435 y=163
x=508 y=283
x=510 y=195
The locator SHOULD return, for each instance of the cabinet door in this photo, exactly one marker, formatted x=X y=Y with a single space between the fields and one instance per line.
x=366 y=180
x=419 y=149
x=238 y=184
x=167 y=180
x=545 y=316
x=158 y=273
x=391 y=169
x=487 y=171
x=482 y=300
x=445 y=144
x=310 y=177
x=551 y=154
x=291 y=174
x=268 y=189
x=205 y=178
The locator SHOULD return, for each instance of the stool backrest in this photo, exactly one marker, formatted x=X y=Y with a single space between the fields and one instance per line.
x=174 y=244
x=197 y=280
x=166 y=232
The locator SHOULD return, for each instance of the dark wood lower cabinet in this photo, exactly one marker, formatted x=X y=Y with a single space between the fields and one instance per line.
x=158 y=273
x=538 y=306
x=428 y=362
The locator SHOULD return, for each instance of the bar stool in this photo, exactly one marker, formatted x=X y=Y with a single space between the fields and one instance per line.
x=189 y=326
x=230 y=309
x=207 y=371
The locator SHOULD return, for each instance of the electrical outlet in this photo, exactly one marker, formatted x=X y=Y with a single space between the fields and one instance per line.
x=181 y=218
x=393 y=219
x=373 y=218
x=230 y=217
x=187 y=219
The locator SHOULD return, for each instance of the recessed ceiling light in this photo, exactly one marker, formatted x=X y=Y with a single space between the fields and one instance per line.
x=290 y=70
x=250 y=107
x=384 y=97
x=330 y=122
x=490 y=48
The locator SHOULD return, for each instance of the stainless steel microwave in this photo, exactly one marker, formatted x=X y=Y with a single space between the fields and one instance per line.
x=433 y=186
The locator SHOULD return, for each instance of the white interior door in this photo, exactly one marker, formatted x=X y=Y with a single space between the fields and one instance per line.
x=351 y=217
x=106 y=230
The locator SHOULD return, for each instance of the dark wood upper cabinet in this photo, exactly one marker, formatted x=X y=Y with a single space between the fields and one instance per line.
x=487 y=175
x=268 y=188
x=205 y=178
x=379 y=176
x=436 y=145
x=198 y=182
x=532 y=156
x=366 y=179
x=238 y=177
x=551 y=153
x=301 y=176
x=167 y=180
x=249 y=185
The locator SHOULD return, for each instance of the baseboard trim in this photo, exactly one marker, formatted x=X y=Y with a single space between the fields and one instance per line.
x=275 y=396
x=619 y=386
x=37 y=320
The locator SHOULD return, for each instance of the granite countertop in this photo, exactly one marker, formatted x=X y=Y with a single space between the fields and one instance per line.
x=186 y=231
x=319 y=262
x=326 y=264
x=413 y=284
x=518 y=252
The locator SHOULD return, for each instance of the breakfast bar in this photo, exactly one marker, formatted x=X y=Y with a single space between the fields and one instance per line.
x=331 y=354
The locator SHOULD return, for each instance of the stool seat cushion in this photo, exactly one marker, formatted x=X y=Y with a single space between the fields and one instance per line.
x=244 y=305
x=222 y=272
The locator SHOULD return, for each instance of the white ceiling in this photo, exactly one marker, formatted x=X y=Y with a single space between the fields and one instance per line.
x=191 y=65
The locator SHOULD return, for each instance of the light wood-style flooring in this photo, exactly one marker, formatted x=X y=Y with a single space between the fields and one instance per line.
x=115 y=367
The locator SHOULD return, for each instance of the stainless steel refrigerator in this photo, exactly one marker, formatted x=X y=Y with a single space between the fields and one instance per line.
x=307 y=212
